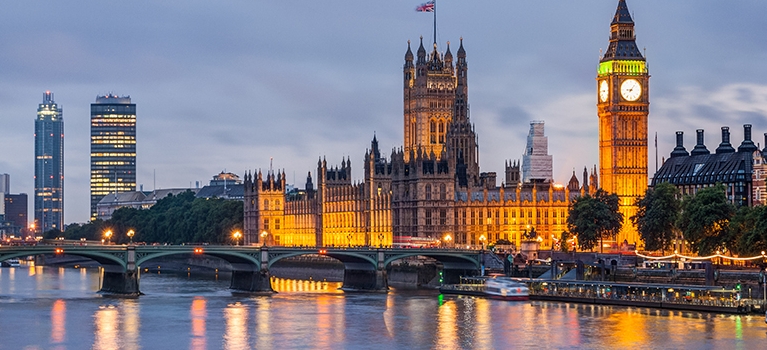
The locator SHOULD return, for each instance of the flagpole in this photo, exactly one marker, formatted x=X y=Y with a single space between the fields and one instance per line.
x=435 y=21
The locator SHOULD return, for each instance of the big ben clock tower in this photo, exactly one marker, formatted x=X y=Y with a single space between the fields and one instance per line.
x=623 y=101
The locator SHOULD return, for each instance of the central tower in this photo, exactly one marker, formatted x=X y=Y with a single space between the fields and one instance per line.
x=623 y=102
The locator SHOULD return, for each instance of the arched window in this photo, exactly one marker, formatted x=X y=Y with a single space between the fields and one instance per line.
x=442 y=191
x=428 y=192
x=277 y=204
x=266 y=204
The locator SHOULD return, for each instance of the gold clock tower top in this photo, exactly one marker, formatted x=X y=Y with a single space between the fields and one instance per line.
x=623 y=102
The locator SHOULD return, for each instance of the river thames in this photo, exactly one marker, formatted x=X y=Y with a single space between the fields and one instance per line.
x=59 y=308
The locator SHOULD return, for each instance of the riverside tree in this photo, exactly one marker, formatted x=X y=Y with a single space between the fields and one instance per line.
x=705 y=219
x=174 y=219
x=657 y=215
x=594 y=218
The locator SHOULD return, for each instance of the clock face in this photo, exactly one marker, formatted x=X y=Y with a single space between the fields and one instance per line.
x=631 y=89
x=604 y=91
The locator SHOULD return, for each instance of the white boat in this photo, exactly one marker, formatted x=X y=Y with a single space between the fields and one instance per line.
x=507 y=289
x=495 y=287
x=11 y=263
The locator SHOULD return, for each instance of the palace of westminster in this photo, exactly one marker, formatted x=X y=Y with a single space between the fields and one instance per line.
x=431 y=190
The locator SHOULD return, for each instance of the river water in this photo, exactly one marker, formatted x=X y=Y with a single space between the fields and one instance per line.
x=59 y=308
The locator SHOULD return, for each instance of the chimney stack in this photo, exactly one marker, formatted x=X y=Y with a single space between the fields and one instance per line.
x=725 y=146
x=700 y=148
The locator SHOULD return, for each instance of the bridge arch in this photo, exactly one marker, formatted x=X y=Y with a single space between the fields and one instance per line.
x=340 y=255
x=105 y=258
x=461 y=260
x=239 y=260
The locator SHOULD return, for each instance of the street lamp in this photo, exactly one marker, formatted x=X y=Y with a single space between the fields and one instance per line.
x=130 y=235
x=108 y=235
x=237 y=235
x=264 y=234
x=482 y=241
x=380 y=240
x=447 y=239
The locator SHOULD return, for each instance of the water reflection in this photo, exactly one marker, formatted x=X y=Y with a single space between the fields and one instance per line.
x=58 y=321
x=447 y=329
x=131 y=323
x=106 y=321
x=281 y=285
x=198 y=316
x=236 y=316
x=263 y=324
x=178 y=313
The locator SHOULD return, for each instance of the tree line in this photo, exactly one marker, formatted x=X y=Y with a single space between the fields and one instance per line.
x=706 y=222
x=178 y=219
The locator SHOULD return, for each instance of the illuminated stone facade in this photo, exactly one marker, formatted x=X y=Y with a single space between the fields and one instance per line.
x=429 y=192
x=623 y=105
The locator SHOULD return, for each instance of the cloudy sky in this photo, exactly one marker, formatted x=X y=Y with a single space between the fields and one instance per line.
x=225 y=85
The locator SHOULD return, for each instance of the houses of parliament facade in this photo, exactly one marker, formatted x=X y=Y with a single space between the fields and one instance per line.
x=430 y=191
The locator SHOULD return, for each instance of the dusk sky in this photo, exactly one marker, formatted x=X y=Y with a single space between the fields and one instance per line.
x=227 y=85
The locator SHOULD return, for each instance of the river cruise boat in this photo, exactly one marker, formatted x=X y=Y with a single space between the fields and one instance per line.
x=495 y=287
x=11 y=263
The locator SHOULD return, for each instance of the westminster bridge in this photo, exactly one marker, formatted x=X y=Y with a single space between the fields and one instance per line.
x=364 y=267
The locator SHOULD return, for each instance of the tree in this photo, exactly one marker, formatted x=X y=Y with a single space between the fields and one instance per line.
x=173 y=219
x=705 y=218
x=593 y=219
x=749 y=229
x=657 y=216
x=564 y=246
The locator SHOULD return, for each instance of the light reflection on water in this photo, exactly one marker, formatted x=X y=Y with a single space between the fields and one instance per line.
x=60 y=309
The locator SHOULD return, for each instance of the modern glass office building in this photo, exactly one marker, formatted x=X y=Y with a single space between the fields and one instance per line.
x=49 y=166
x=113 y=147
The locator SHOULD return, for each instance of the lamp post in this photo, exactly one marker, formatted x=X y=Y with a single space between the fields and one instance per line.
x=380 y=240
x=447 y=240
x=264 y=234
x=482 y=241
x=130 y=235
x=237 y=235
x=108 y=235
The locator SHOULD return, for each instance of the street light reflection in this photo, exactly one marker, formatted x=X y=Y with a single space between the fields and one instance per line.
x=198 y=314
x=105 y=323
x=236 y=316
x=58 y=321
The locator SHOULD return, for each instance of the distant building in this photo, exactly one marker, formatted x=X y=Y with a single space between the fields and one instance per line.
x=16 y=212
x=741 y=171
x=224 y=179
x=113 y=147
x=537 y=164
x=134 y=199
x=49 y=165
x=13 y=210
x=5 y=183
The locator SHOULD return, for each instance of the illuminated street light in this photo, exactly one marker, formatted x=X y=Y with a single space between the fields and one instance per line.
x=264 y=234
x=108 y=236
x=482 y=240
x=447 y=239
x=130 y=235
x=237 y=235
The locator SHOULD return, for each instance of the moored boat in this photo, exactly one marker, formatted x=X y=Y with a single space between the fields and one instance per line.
x=496 y=287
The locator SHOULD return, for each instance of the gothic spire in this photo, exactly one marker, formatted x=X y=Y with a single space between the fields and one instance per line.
x=622 y=38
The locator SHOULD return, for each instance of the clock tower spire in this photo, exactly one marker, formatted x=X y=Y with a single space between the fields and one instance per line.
x=623 y=106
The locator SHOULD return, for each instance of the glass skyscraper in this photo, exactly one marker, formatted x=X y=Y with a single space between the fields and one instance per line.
x=49 y=166
x=113 y=147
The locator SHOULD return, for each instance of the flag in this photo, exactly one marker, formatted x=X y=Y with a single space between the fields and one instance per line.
x=426 y=7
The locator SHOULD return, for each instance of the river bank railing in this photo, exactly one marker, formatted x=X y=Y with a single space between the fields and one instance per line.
x=715 y=298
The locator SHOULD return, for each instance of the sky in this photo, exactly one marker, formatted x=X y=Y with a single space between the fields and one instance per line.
x=227 y=85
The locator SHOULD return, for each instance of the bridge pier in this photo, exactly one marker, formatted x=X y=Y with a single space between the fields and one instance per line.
x=123 y=282
x=118 y=280
x=249 y=278
x=361 y=276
